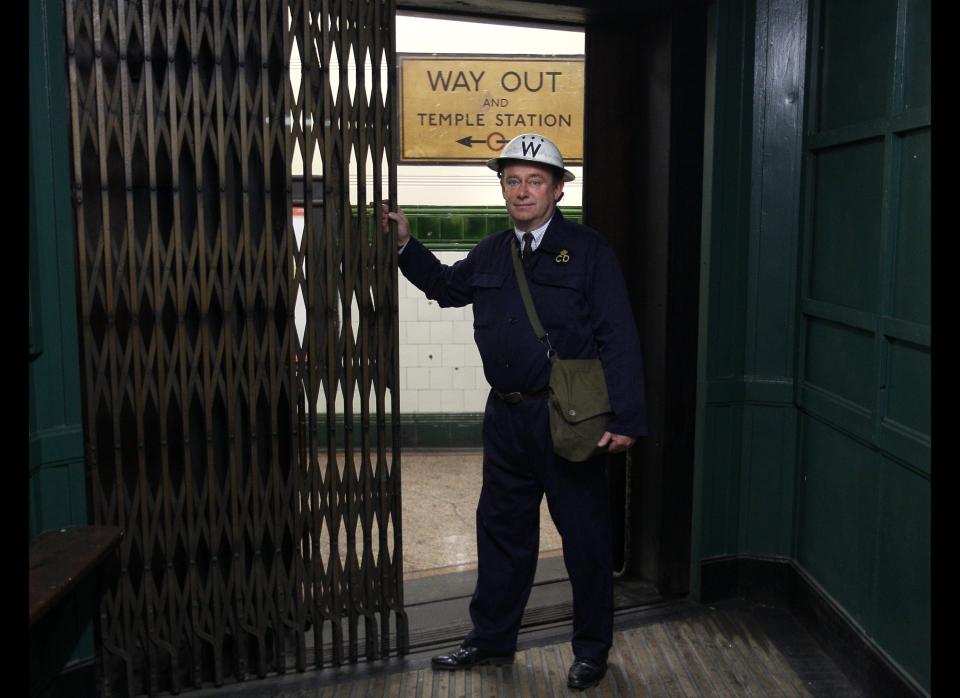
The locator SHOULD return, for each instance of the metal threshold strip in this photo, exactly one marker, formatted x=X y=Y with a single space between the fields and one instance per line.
x=550 y=605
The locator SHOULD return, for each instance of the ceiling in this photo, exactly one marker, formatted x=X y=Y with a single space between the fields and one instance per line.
x=566 y=12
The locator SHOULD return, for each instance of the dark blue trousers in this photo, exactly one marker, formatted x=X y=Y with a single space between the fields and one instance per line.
x=519 y=467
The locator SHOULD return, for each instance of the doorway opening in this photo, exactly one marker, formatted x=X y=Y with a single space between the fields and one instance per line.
x=452 y=201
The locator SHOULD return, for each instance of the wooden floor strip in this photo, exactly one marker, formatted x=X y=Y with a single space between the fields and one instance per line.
x=751 y=684
x=675 y=664
x=641 y=651
x=754 y=654
x=704 y=650
x=723 y=652
x=629 y=673
x=776 y=664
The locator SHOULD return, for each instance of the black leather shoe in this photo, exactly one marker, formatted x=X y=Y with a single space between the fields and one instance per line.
x=466 y=657
x=586 y=672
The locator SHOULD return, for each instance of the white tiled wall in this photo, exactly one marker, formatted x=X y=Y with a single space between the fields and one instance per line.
x=440 y=367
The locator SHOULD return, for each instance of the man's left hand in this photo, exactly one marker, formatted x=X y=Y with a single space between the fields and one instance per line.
x=615 y=443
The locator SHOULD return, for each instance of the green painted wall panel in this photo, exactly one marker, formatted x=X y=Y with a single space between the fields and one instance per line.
x=864 y=536
x=57 y=483
x=775 y=182
x=846 y=225
x=864 y=493
x=55 y=445
x=908 y=386
x=729 y=191
x=838 y=516
x=857 y=60
x=34 y=505
x=902 y=600
x=721 y=480
x=748 y=451
x=840 y=360
x=917 y=61
x=911 y=297
x=60 y=492
x=767 y=498
x=850 y=503
x=63 y=640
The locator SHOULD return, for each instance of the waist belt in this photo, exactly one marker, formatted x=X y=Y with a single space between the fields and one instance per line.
x=514 y=398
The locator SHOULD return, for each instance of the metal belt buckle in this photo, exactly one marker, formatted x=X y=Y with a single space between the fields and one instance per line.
x=512 y=398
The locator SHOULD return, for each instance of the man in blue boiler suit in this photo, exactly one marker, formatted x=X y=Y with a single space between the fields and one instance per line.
x=579 y=293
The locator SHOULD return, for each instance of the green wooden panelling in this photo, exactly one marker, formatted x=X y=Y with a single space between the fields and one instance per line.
x=730 y=192
x=857 y=61
x=902 y=592
x=911 y=295
x=725 y=243
x=56 y=434
x=748 y=455
x=860 y=538
x=57 y=493
x=846 y=226
x=56 y=650
x=840 y=360
x=868 y=253
x=851 y=503
x=767 y=480
x=57 y=482
x=697 y=542
x=777 y=143
x=721 y=480
x=908 y=392
x=916 y=70
x=35 y=298
x=863 y=507
x=837 y=524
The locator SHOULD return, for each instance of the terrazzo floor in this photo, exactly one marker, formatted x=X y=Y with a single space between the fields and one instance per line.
x=439 y=493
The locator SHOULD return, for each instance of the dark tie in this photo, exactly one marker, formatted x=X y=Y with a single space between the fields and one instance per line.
x=527 y=247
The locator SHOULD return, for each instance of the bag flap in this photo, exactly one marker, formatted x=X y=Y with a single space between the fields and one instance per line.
x=579 y=389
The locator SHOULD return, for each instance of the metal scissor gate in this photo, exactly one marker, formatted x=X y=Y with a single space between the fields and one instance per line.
x=252 y=460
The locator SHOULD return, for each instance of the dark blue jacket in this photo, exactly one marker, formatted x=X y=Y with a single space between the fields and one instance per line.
x=580 y=296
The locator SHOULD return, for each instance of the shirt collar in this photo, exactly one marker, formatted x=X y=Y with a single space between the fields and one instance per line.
x=537 y=234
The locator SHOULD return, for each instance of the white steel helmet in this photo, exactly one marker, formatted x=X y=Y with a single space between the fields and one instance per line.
x=531 y=147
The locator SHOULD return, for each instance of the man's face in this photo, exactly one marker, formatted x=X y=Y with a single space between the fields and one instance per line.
x=530 y=194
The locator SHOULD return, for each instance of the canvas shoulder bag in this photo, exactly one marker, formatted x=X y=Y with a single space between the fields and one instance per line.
x=578 y=403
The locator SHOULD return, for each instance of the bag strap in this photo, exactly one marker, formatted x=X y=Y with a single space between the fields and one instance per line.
x=528 y=304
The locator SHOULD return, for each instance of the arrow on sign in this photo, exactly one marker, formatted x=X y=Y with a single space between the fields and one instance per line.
x=489 y=140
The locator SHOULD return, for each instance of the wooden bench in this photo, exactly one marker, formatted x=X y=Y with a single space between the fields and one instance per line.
x=62 y=558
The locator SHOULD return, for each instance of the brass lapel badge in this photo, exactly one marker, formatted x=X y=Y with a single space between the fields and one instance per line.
x=563 y=257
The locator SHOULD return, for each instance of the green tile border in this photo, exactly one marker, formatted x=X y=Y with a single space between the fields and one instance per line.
x=462 y=227
x=438 y=431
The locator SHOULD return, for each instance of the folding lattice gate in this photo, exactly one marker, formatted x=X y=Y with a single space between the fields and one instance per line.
x=254 y=542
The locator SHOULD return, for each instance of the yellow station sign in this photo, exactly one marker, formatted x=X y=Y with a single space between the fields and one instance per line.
x=464 y=109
